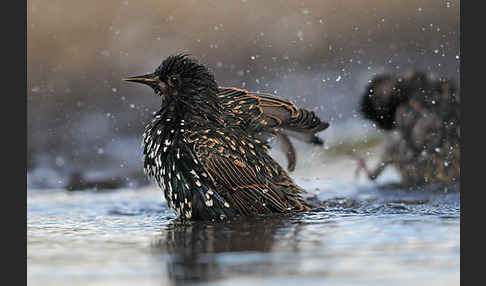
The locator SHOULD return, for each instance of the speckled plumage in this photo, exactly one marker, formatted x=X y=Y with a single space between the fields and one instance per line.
x=209 y=165
x=423 y=112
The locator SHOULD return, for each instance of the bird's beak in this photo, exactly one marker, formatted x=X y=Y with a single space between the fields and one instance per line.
x=149 y=79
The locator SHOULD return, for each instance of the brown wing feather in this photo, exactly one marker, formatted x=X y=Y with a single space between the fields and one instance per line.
x=269 y=111
x=244 y=184
x=249 y=183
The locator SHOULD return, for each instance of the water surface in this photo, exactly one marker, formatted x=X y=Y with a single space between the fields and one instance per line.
x=360 y=235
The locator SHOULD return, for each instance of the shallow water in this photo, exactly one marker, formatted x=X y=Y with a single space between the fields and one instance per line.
x=361 y=235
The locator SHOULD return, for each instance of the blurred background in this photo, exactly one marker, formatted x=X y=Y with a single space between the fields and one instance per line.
x=84 y=122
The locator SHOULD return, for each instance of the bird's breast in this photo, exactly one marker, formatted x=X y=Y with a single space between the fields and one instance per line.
x=163 y=138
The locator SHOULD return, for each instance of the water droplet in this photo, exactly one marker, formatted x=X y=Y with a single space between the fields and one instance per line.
x=60 y=161
x=300 y=35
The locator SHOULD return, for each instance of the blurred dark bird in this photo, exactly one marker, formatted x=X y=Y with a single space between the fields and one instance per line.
x=204 y=156
x=422 y=112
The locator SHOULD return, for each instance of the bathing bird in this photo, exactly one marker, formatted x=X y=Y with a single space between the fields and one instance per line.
x=204 y=149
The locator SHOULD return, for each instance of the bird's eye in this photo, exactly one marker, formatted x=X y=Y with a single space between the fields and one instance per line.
x=173 y=80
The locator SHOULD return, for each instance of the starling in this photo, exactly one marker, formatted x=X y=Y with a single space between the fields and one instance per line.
x=422 y=114
x=207 y=158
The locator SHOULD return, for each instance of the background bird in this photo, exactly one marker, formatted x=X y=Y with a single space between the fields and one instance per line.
x=424 y=111
x=205 y=156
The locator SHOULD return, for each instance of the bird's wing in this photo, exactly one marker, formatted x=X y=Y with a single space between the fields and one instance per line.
x=248 y=178
x=264 y=112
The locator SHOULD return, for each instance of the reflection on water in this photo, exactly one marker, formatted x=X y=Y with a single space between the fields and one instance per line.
x=359 y=235
x=205 y=251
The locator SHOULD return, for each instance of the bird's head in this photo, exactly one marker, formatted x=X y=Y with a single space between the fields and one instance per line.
x=381 y=99
x=178 y=76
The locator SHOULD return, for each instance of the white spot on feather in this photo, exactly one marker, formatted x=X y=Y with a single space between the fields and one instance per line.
x=194 y=173
x=188 y=214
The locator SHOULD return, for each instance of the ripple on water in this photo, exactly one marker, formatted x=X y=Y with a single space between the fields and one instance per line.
x=130 y=236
